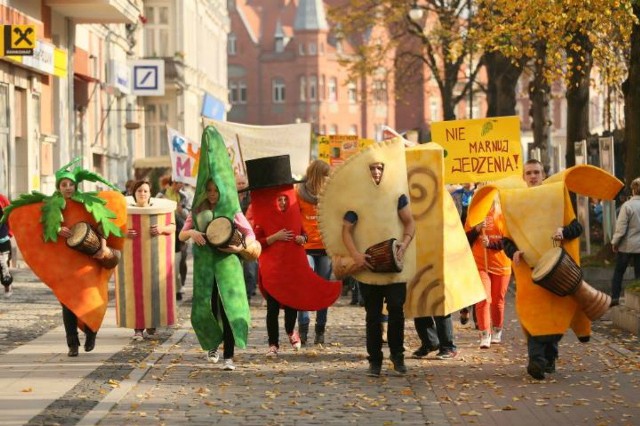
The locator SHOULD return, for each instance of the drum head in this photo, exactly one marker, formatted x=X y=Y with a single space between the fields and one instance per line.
x=78 y=234
x=219 y=231
x=547 y=263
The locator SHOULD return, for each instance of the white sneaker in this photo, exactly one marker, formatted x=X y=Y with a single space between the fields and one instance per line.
x=8 y=291
x=228 y=365
x=485 y=339
x=138 y=337
x=496 y=337
x=272 y=352
x=213 y=356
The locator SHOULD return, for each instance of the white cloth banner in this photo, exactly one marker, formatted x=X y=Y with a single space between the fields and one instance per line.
x=185 y=155
x=250 y=142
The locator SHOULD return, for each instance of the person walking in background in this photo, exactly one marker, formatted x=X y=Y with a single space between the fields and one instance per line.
x=145 y=295
x=436 y=334
x=495 y=272
x=5 y=251
x=174 y=192
x=626 y=241
x=307 y=193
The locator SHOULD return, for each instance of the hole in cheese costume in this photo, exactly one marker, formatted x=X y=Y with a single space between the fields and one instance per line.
x=439 y=269
x=532 y=216
x=145 y=285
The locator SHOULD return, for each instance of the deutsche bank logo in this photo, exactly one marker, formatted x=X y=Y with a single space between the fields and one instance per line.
x=148 y=77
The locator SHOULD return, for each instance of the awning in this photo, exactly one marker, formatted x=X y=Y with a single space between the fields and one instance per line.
x=152 y=162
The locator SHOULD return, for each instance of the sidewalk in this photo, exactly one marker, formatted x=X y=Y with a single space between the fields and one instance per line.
x=171 y=382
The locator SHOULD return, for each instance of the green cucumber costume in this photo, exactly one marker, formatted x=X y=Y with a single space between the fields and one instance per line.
x=210 y=264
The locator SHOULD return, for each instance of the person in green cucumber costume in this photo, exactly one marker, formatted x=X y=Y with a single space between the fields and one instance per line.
x=220 y=311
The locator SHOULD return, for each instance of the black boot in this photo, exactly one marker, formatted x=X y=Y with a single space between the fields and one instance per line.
x=319 y=339
x=73 y=342
x=90 y=340
x=303 y=330
x=398 y=364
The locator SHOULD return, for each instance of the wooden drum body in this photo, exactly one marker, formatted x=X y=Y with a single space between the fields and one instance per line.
x=145 y=282
x=86 y=240
x=221 y=232
x=557 y=272
x=383 y=256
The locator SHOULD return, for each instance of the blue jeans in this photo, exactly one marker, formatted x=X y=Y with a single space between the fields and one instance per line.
x=435 y=332
x=622 y=261
x=374 y=296
x=322 y=266
x=250 y=270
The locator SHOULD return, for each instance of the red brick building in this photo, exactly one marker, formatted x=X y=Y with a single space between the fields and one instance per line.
x=283 y=68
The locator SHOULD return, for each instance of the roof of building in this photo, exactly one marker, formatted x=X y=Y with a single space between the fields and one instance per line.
x=310 y=15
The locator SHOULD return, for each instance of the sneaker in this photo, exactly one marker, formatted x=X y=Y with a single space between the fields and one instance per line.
x=272 y=352
x=447 y=354
x=374 y=370
x=294 y=339
x=550 y=367
x=179 y=296
x=398 y=365
x=614 y=302
x=228 y=365
x=496 y=336
x=8 y=291
x=213 y=356
x=151 y=331
x=535 y=370
x=423 y=351
x=485 y=339
x=137 y=336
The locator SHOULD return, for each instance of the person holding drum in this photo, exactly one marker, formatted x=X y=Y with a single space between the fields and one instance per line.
x=375 y=295
x=151 y=290
x=542 y=350
x=307 y=194
x=495 y=272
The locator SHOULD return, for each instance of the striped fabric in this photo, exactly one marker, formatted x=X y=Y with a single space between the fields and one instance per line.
x=145 y=286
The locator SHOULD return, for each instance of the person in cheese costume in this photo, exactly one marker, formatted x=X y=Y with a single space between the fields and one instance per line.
x=542 y=350
x=375 y=295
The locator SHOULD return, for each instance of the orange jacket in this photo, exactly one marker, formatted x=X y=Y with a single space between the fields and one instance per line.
x=490 y=260
x=309 y=212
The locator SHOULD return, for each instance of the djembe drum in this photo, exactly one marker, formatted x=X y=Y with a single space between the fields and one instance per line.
x=383 y=256
x=221 y=232
x=86 y=240
x=557 y=272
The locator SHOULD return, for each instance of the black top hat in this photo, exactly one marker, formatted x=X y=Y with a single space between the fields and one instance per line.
x=268 y=172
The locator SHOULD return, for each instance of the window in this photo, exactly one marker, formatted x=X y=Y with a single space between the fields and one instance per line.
x=352 y=93
x=232 y=44
x=333 y=129
x=303 y=88
x=233 y=93
x=333 y=89
x=312 y=49
x=279 y=44
x=157 y=41
x=156 y=118
x=237 y=92
x=301 y=49
x=380 y=91
x=435 y=110
x=278 y=90
x=242 y=92
x=313 y=88
x=353 y=130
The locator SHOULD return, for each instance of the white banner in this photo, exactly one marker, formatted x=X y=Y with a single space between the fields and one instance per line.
x=250 y=142
x=185 y=155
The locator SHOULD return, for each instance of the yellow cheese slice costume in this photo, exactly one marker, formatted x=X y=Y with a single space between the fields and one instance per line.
x=351 y=187
x=532 y=215
x=439 y=268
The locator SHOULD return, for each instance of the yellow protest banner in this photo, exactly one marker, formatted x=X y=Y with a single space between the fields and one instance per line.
x=18 y=40
x=336 y=149
x=479 y=150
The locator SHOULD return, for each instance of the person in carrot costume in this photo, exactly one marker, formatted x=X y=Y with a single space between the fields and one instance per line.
x=78 y=280
x=220 y=310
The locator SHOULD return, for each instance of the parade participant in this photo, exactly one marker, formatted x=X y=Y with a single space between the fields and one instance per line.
x=145 y=294
x=220 y=310
x=174 y=191
x=495 y=272
x=626 y=241
x=531 y=238
x=283 y=268
x=78 y=281
x=436 y=334
x=5 y=251
x=307 y=193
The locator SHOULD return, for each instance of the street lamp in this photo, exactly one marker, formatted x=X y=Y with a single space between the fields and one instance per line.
x=416 y=13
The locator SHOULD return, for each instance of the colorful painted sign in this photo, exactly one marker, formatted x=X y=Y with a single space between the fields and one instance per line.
x=336 y=149
x=185 y=156
x=479 y=150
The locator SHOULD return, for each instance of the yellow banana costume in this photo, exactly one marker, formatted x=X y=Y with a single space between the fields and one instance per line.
x=532 y=215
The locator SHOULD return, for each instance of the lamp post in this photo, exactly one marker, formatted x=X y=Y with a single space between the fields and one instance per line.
x=470 y=62
x=416 y=13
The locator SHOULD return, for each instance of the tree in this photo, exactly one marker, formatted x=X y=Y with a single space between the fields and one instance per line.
x=440 y=41
x=631 y=90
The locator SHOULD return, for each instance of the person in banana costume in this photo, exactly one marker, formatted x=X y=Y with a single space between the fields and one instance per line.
x=530 y=233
